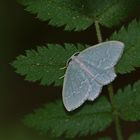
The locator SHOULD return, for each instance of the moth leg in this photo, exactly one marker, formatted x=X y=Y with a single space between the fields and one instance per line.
x=63 y=68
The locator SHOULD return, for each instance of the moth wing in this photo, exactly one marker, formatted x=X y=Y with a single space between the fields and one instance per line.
x=102 y=77
x=76 y=87
x=106 y=76
x=95 y=90
x=103 y=55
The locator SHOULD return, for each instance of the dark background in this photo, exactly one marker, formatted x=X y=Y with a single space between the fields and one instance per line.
x=19 y=31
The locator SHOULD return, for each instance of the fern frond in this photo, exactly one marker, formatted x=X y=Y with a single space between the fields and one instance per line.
x=80 y=14
x=46 y=63
x=53 y=119
x=131 y=38
x=128 y=102
x=135 y=137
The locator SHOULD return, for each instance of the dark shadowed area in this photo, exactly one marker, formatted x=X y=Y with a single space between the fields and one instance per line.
x=20 y=31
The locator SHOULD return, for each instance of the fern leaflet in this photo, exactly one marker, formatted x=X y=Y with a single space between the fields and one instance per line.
x=131 y=39
x=135 y=137
x=88 y=120
x=45 y=64
x=80 y=14
x=128 y=102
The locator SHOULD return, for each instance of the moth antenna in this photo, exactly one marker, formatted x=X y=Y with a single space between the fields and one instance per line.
x=62 y=77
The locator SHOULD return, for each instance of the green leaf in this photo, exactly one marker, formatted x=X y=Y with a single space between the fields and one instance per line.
x=135 y=137
x=131 y=39
x=54 y=120
x=128 y=102
x=45 y=64
x=105 y=138
x=80 y=14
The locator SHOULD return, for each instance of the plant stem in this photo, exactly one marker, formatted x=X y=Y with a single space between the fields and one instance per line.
x=116 y=117
x=98 y=31
x=111 y=92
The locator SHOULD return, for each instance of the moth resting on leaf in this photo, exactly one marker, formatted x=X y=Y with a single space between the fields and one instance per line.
x=89 y=71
